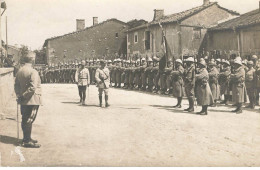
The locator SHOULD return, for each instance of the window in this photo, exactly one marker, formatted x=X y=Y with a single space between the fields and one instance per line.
x=196 y=33
x=147 y=40
x=116 y=35
x=136 y=37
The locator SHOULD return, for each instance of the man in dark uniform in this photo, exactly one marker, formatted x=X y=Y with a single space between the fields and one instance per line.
x=189 y=83
x=224 y=81
x=28 y=92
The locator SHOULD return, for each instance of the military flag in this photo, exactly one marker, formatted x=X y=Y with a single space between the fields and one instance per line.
x=165 y=50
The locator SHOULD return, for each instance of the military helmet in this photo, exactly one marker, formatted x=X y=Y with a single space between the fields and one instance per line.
x=244 y=61
x=211 y=63
x=190 y=59
x=254 y=57
x=250 y=63
x=203 y=63
x=178 y=61
x=109 y=61
x=150 y=59
x=226 y=62
x=237 y=61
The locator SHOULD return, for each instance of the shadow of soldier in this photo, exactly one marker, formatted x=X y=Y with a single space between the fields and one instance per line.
x=172 y=109
x=10 y=140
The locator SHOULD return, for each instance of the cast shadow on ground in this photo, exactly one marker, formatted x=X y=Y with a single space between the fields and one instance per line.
x=77 y=103
x=10 y=140
x=174 y=110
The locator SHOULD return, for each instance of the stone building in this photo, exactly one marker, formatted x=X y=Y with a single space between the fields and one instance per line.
x=106 y=39
x=185 y=31
x=240 y=35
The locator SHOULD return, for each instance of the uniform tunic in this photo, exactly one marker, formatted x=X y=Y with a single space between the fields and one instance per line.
x=224 y=80
x=189 y=81
x=213 y=83
x=82 y=77
x=238 y=85
x=177 y=80
x=204 y=95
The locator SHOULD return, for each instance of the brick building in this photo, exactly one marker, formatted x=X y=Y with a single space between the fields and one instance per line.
x=185 y=31
x=241 y=35
x=101 y=39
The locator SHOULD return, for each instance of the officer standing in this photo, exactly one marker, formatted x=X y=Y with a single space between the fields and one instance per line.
x=178 y=90
x=189 y=83
x=103 y=80
x=238 y=85
x=28 y=91
x=82 y=78
x=204 y=97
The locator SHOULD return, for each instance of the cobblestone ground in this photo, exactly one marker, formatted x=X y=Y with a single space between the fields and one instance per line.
x=139 y=129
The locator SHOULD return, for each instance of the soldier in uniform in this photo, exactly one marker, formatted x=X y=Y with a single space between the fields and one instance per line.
x=118 y=73
x=137 y=75
x=189 y=83
x=168 y=71
x=178 y=84
x=204 y=97
x=82 y=78
x=238 y=85
x=103 y=80
x=149 y=73
x=213 y=81
x=28 y=92
x=143 y=80
x=250 y=84
x=224 y=81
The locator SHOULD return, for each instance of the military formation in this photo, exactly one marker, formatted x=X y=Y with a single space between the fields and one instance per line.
x=204 y=81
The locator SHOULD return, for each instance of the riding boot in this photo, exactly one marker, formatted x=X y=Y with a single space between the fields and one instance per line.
x=191 y=105
x=239 y=108
x=100 y=101
x=178 y=103
x=106 y=100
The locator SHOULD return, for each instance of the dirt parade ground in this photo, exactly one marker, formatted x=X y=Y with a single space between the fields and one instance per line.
x=139 y=129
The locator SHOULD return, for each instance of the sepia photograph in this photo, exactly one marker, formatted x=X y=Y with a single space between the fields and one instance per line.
x=129 y=83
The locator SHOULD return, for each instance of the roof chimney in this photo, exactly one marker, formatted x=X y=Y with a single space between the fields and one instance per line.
x=158 y=14
x=80 y=24
x=206 y=2
x=95 y=21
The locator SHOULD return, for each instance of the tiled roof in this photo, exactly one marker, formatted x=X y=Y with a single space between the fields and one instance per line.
x=247 y=19
x=75 y=32
x=181 y=15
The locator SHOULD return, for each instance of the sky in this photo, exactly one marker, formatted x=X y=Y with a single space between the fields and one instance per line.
x=31 y=22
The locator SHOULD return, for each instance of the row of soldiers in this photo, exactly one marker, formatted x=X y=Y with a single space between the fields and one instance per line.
x=144 y=74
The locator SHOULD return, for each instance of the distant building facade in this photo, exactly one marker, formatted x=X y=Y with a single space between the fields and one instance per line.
x=240 y=35
x=185 y=31
x=106 y=39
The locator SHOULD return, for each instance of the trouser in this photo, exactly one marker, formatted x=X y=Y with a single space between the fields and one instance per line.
x=251 y=96
x=163 y=78
x=29 y=113
x=82 y=92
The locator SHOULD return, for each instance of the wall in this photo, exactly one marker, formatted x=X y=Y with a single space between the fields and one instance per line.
x=6 y=87
x=101 y=38
x=179 y=37
x=250 y=40
x=222 y=40
x=208 y=17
